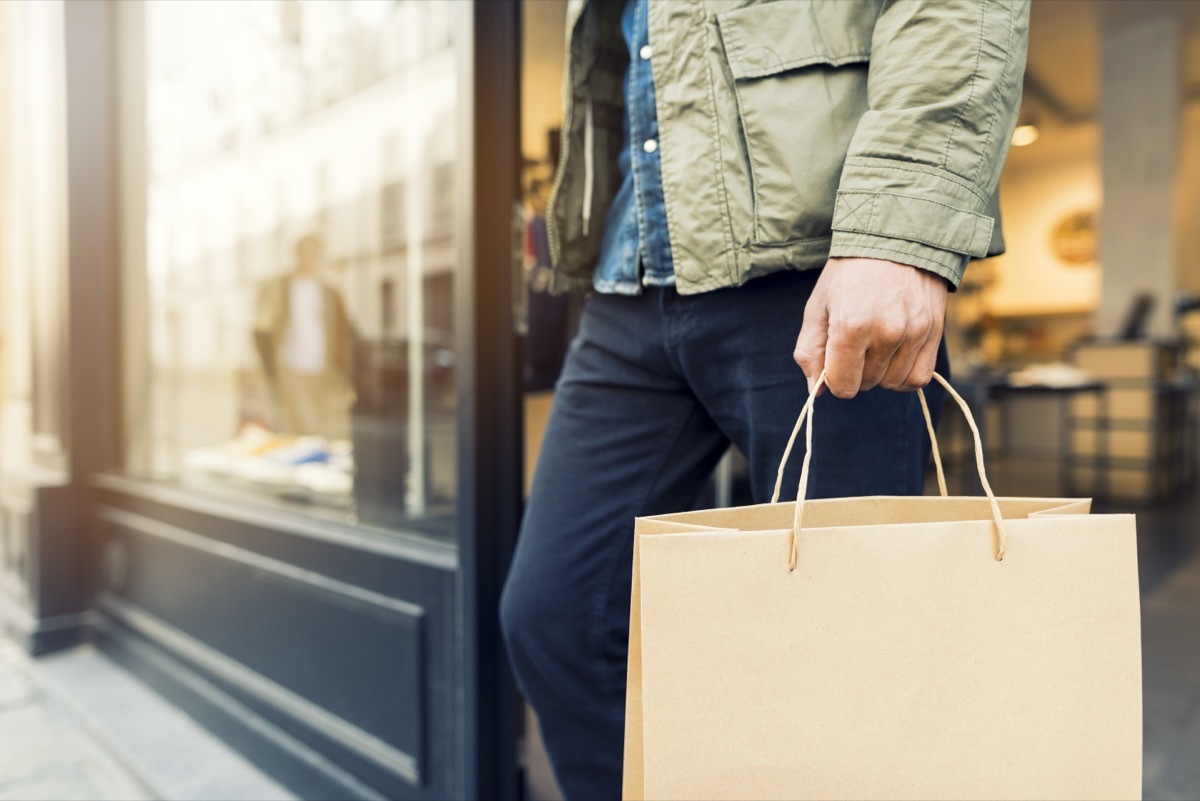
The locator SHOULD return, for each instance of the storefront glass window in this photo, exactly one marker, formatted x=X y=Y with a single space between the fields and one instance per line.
x=33 y=239
x=299 y=272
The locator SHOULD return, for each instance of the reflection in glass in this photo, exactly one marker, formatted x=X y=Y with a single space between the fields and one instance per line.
x=300 y=254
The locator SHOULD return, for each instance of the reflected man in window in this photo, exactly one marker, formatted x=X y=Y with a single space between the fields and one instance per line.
x=303 y=338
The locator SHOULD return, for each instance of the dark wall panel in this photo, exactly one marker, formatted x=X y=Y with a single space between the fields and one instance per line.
x=356 y=665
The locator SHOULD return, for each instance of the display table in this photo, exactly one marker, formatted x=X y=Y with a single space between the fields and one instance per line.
x=983 y=391
x=1114 y=439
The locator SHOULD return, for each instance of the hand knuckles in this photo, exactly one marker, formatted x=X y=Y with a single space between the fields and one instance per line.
x=890 y=334
x=920 y=377
x=848 y=330
x=922 y=321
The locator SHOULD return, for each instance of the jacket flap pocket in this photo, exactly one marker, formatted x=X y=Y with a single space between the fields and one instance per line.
x=766 y=39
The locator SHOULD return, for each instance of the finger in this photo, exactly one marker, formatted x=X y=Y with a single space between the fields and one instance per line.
x=901 y=365
x=886 y=339
x=926 y=362
x=812 y=341
x=845 y=353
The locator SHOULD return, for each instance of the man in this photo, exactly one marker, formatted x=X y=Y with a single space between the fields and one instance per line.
x=729 y=171
x=304 y=341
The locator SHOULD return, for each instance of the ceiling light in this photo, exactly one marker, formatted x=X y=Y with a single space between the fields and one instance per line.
x=1025 y=135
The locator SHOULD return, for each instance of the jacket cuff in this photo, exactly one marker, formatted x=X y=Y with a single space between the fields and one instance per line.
x=945 y=263
x=914 y=205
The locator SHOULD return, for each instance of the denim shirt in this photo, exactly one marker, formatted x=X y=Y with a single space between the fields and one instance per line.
x=635 y=250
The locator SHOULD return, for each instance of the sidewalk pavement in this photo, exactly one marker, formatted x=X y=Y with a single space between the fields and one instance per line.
x=44 y=754
x=76 y=725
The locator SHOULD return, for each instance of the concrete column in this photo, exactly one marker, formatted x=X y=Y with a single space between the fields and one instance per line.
x=1141 y=103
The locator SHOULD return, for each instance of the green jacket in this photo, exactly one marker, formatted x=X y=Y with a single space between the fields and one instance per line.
x=793 y=131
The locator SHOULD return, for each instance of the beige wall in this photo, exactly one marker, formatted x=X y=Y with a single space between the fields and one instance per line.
x=1188 y=207
x=541 y=83
x=1037 y=189
x=1030 y=278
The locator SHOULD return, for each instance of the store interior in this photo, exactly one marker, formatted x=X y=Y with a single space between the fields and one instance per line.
x=1078 y=349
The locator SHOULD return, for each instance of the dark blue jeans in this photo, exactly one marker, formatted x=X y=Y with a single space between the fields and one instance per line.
x=653 y=390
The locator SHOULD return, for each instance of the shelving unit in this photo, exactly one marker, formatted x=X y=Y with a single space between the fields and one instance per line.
x=1139 y=445
x=995 y=404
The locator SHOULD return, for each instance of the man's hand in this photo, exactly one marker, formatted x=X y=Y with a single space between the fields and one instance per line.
x=872 y=323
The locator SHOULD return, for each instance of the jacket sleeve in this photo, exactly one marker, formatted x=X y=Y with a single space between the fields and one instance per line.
x=944 y=89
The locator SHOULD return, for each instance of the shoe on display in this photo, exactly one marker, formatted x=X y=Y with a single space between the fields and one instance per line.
x=301 y=450
x=324 y=479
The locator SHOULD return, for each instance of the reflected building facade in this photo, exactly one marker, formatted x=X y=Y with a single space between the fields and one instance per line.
x=269 y=124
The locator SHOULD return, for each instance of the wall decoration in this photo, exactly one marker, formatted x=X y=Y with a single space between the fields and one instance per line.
x=1073 y=238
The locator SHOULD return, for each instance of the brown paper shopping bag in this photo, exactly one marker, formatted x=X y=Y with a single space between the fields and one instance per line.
x=899 y=648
